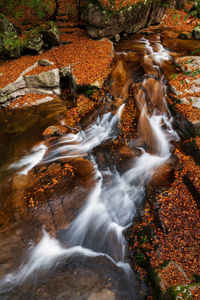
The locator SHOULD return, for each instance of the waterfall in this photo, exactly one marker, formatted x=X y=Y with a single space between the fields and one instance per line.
x=111 y=206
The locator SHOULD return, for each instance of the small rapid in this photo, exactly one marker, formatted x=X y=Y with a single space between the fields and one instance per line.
x=98 y=229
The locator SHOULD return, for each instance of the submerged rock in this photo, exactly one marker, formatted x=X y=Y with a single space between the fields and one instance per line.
x=54 y=131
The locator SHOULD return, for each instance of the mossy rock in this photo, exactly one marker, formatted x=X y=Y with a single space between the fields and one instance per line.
x=10 y=46
x=50 y=33
x=33 y=41
x=6 y=28
x=181 y=292
x=196 y=32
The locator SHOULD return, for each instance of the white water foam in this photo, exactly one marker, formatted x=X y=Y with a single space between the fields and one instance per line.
x=74 y=145
x=44 y=257
x=29 y=161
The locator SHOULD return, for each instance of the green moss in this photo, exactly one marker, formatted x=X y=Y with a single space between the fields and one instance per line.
x=10 y=45
x=181 y=291
x=196 y=278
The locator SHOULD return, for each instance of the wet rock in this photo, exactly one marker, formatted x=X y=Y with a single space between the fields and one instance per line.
x=33 y=41
x=54 y=131
x=185 y=35
x=102 y=295
x=45 y=62
x=196 y=32
x=162 y=177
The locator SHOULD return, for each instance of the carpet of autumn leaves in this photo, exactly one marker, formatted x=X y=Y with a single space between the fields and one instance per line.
x=177 y=239
x=117 y=4
x=178 y=21
x=90 y=60
x=166 y=239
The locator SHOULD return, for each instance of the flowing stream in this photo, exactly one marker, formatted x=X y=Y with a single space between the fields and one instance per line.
x=96 y=234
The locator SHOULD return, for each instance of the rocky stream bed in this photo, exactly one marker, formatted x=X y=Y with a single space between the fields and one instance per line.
x=99 y=175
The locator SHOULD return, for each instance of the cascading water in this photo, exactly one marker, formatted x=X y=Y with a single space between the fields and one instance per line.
x=112 y=204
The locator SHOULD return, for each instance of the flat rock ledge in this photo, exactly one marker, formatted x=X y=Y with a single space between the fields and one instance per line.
x=43 y=83
x=47 y=83
x=102 y=22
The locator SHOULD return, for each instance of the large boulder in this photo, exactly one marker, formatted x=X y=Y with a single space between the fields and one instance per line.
x=196 y=32
x=107 y=22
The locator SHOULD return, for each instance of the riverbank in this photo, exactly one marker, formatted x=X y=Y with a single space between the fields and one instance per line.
x=164 y=242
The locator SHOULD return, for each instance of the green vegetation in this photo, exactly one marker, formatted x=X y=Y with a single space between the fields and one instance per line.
x=38 y=8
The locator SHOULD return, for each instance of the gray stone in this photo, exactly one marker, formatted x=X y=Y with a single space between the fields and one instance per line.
x=49 y=79
x=12 y=87
x=33 y=41
x=196 y=32
x=43 y=83
x=195 y=102
x=45 y=62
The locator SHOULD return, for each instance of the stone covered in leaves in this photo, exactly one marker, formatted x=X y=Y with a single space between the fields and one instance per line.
x=54 y=131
